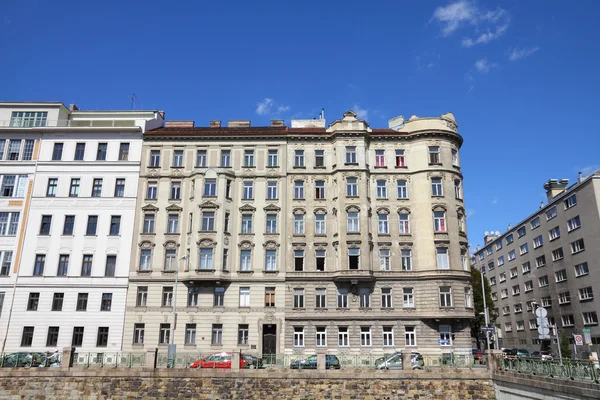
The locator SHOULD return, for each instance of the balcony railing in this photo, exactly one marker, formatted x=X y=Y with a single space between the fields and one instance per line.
x=63 y=123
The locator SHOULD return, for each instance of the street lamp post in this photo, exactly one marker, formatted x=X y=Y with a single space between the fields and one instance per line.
x=485 y=312
x=172 y=346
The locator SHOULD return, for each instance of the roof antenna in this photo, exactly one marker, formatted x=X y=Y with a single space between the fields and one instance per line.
x=132 y=101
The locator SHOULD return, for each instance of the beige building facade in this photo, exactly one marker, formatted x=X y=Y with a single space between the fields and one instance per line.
x=344 y=239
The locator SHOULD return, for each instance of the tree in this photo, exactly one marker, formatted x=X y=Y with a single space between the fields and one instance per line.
x=565 y=347
x=479 y=320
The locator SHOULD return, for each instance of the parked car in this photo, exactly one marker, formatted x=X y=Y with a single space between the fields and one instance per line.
x=509 y=352
x=331 y=362
x=395 y=361
x=478 y=356
x=217 y=360
x=522 y=353
x=543 y=355
x=251 y=362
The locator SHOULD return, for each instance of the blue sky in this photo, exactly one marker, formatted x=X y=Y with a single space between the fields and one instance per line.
x=521 y=76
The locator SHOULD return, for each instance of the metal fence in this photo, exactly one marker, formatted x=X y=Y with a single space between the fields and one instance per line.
x=29 y=360
x=582 y=370
x=127 y=360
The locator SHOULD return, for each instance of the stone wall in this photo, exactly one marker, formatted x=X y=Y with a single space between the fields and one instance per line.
x=120 y=383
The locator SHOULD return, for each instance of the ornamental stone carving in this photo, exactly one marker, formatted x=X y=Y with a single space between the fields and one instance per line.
x=146 y=244
x=246 y=245
x=271 y=245
x=206 y=243
x=208 y=204
x=170 y=245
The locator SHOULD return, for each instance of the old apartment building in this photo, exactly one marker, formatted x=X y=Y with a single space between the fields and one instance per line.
x=70 y=264
x=276 y=239
x=549 y=259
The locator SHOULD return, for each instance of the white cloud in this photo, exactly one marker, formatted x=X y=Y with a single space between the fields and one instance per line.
x=463 y=12
x=495 y=201
x=484 y=66
x=270 y=107
x=517 y=53
x=362 y=113
x=470 y=212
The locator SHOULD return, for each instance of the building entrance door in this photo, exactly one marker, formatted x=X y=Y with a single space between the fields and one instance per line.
x=269 y=343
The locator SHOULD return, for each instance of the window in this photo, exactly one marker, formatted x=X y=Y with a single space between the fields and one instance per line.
x=535 y=223
x=320 y=260
x=457 y=189
x=353 y=222
x=243 y=334
x=380 y=158
x=201 y=158
x=516 y=290
x=164 y=334
x=6 y=257
x=410 y=336
x=173 y=223
x=298 y=336
x=51 y=189
x=502 y=277
x=57 y=301
x=249 y=158
x=101 y=152
x=148 y=223
x=436 y=187
x=8 y=186
x=86 y=265
x=97 y=187
x=192 y=300
x=77 y=339
x=38 y=268
x=245 y=297
x=547 y=302
x=561 y=275
x=154 y=158
x=14 y=149
x=175 y=191
x=33 y=301
x=554 y=233
x=28 y=119
x=577 y=246
x=581 y=269
x=269 y=297
x=248 y=191
x=271 y=260
x=69 y=224
x=92 y=225
x=445 y=335
x=111 y=263
x=365 y=336
x=228 y=189
x=439 y=221
x=454 y=158
x=434 y=155
x=445 y=296
x=590 y=318
x=442 y=258
x=177 y=159
x=557 y=254
x=298 y=298
x=382 y=225
x=320 y=224
x=538 y=242
x=27 y=338
x=524 y=249
x=246 y=223
x=299 y=260
x=509 y=240
x=540 y=261
x=106 y=303
x=564 y=298
x=343 y=336
x=273 y=158
x=551 y=213
x=82 y=300
x=9 y=223
x=468 y=298
x=492 y=281
x=298 y=190
x=353 y=258
x=533 y=324
x=386 y=298
x=74 y=189
x=225 y=158
x=152 y=190
x=570 y=201
x=404 y=224
x=409 y=298
x=586 y=293
x=351 y=155
x=123 y=151
x=206 y=259
x=299 y=158
x=528 y=286
x=319 y=158
x=381 y=189
x=119 y=187
x=567 y=320
x=406 y=259
x=57 y=152
x=321 y=338
x=500 y=261
x=351 y=187
x=142 y=296
x=543 y=281
x=402 y=189
x=271 y=190
x=573 y=223
x=342 y=298
x=364 y=296
x=138 y=334
x=511 y=255
x=400 y=160
x=63 y=265
x=518 y=308
x=219 y=296
x=384 y=259
x=271 y=223
x=115 y=225
x=208 y=221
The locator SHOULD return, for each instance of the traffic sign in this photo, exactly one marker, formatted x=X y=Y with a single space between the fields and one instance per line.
x=543 y=330
x=586 y=330
x=442 y=341
x=541 y=312
x=578 y=340
x=487 y=328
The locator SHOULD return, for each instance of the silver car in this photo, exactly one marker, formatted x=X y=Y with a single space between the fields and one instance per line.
x=395 y=361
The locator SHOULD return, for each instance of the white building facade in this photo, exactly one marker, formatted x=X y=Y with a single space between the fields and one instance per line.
x=73 y=272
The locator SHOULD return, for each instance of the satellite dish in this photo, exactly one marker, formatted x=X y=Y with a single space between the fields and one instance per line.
x=497 y=233
x=486 y=233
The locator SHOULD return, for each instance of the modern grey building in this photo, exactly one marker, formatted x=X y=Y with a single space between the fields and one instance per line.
x=549 y=259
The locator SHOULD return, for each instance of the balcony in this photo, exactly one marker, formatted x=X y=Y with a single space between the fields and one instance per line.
x=205 y=275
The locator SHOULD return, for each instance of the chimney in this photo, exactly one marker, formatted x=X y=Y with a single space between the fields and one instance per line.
x=276 y=122
x=580 y=177
x=73 y=107
x=179 y=124
x=238 y=123
x=489 y=237
x=215 y=124
x=555 y=187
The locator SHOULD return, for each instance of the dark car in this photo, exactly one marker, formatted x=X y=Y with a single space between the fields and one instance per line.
x=522 y=353
x=331 y=362
x=251 y=362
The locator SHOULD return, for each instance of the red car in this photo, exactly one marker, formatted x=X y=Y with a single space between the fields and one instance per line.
x=217 y=360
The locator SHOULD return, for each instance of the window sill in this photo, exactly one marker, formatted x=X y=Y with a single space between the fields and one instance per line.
x=299 y=235
x=351 y=164
x=246 y=234
x=144 y=271
x=148 y=233
x=352 y=197
x=249 y=166
x=270 y=271
x=177 y=200
x=206 y=196
x=273 y=199
x=272 y=233
x=577 y=252
x=298 y=198
x=319 y=167
x=320 y=235
x=400 y=167
x=381 y=167
x=207 y=231
x=115 y=236
x=435 y=163
x=247 y=199
x=172 y=233
x=149 y=199
x=168 y=271
x=299 y=167
x=205 y=270
x=189 y=346
x=384 y=234
x=244 y=272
